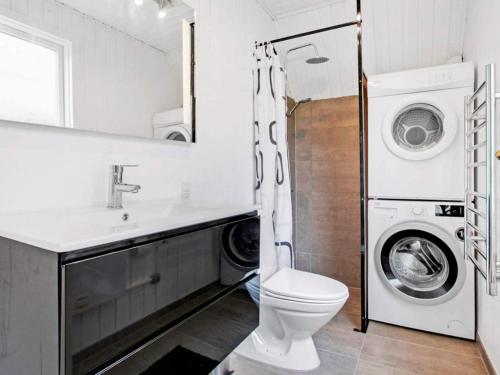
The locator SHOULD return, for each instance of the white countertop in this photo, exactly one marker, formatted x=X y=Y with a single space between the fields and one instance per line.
x=68 y=230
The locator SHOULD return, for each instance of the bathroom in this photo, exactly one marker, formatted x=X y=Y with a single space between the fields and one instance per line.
x=116 y=220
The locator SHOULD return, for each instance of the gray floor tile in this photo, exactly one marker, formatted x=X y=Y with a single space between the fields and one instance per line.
x=338 y=340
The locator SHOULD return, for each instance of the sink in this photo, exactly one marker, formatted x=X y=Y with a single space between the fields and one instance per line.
x=78 y=228
x=129 y=216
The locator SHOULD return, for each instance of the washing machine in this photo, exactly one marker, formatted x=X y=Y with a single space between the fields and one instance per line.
x=417 y=273
x=416 y=133
x=240 y=246
x=169 y=125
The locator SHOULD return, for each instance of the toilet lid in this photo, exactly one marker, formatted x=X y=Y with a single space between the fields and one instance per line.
x=305 y=286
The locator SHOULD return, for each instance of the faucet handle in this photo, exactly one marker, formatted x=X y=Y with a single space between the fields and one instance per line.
x=118 y=168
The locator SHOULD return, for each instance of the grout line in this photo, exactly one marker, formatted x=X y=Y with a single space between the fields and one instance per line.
x=338 y=354
x=379 y=363
x=356 y=367
x=425 y=346
x=359 y=355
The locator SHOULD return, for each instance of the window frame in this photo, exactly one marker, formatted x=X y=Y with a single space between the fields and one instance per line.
x=63 y=48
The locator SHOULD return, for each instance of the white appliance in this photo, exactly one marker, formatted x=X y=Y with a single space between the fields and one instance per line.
x=170 y=125
x=417 y=274
x=416 y=133
x=240 y=243
x=294 y=305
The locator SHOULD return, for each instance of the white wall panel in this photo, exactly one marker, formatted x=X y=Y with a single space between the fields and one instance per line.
x=409 y=34
x=481 y=47
x=44 y=168
x=397 y=35
x=338 y=77
x=409 y=25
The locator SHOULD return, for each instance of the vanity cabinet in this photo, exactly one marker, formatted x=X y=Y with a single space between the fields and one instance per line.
x=160 y=300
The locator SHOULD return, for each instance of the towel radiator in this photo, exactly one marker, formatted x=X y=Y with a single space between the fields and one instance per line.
x=480 y=181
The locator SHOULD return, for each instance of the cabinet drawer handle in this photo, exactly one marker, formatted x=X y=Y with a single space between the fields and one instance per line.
x=155 y=278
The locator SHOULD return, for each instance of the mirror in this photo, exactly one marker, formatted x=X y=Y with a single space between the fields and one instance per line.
x=111 y=66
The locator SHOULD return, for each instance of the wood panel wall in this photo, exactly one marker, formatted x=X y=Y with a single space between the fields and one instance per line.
x=326 y=161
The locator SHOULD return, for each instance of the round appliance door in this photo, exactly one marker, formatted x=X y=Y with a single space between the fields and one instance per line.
x=416 y=261
x=419 y=128
x=241 y=244
x=176 y=133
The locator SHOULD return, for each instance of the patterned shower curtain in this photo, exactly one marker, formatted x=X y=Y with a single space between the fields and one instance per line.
x=271 y=157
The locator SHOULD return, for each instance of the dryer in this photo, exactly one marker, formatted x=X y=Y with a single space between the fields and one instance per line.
x=169 y=125
x=417 y=273
x=416 y=133
x=240 y=243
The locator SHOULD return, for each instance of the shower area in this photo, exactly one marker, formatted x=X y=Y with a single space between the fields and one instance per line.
x=323 y=133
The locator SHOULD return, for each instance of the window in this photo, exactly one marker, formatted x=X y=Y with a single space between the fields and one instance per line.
x=35 y=76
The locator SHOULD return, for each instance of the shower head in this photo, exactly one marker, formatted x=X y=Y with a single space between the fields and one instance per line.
x=317 y=60
x=313 y=60
x=303 y=101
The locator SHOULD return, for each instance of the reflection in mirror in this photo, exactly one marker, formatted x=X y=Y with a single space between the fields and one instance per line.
x=116 y=66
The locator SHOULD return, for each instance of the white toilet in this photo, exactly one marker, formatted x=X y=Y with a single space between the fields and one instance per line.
x=294 y=305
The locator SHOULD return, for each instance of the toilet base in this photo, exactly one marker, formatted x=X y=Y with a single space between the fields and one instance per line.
x=301 y=355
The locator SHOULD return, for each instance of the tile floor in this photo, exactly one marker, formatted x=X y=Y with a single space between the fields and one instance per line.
x=385 y=349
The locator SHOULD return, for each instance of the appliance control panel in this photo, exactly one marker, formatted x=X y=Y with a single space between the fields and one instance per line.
x=447 y=210
x=418 y=211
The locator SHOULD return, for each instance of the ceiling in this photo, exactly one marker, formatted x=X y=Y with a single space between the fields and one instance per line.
x=397 y=35
x=140 y=22
x=283 y=8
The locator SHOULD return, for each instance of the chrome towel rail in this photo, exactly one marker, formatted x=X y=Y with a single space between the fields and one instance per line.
x=480 y=181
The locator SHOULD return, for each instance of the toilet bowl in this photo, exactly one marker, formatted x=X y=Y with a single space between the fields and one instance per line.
x=253 y=288
x=293 y=306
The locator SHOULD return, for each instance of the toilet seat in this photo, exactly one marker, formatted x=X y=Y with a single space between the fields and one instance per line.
x=286 y=298
x=305 y=287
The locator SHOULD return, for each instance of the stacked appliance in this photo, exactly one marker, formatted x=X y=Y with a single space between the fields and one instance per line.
x=417 y=273
x=170 y=125
x=240 y=243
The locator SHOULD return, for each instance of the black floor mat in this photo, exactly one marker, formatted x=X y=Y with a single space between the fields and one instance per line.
x=182 y=361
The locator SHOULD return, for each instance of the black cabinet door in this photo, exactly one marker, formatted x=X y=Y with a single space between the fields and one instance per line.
x=200 y=343
x=117 y=303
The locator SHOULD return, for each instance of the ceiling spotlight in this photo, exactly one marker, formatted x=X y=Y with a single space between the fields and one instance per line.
x=162 y=13
x=139 y=2
x=163 y=4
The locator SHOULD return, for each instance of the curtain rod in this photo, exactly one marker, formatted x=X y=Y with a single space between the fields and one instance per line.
x=339 y=26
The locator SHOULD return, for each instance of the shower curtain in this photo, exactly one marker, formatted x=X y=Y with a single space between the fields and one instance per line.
x=271 y=157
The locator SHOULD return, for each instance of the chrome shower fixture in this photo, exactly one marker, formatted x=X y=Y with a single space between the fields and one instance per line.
x=317 y=59
x=303 y=101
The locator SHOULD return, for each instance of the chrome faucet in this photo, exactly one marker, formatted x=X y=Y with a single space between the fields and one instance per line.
x=117 y=187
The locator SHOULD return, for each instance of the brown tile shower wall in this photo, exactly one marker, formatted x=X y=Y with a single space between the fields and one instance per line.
x=325 y=180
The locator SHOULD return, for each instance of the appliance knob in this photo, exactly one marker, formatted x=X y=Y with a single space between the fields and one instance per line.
x=418 y=211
